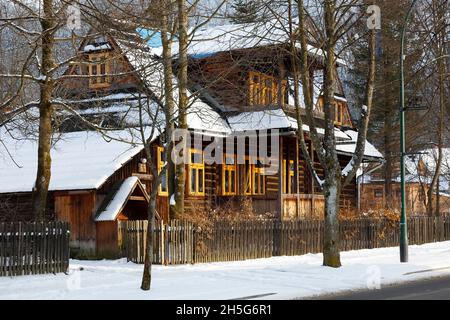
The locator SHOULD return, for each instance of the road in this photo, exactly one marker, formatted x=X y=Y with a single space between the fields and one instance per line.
x=430 y=289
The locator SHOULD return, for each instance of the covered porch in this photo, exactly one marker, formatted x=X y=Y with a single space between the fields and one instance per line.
x=299 y=196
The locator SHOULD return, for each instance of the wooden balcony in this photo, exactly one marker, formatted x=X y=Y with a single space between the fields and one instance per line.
x=302 y=206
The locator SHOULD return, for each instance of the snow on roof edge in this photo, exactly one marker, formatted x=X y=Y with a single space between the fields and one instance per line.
x=118 y=201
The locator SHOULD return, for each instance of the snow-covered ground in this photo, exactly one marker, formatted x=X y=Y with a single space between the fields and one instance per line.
x=274 y=278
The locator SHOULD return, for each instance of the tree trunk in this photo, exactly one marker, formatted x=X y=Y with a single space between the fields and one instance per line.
x=169 y=109
x=441 y=125
x=40 y=191
x=388 y=166
x=151 y=212
x=183 y=100
x=388 y=182
x=331 y=243
x=332 y=185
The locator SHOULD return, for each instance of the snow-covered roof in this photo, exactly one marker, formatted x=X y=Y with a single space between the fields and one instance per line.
x=96 y=47
x=272 y=119
x=210 y=40
x=429 y=158
x=80 y=160
x=200 y=115
x=261 y=120
x=119 y=200
x=350 y=147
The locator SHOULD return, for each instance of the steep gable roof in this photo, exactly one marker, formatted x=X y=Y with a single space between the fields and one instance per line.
x=208 y=41
x=80 y=160
x=118 y=197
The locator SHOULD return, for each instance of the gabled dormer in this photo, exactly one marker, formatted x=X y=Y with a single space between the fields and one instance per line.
x=103 y=67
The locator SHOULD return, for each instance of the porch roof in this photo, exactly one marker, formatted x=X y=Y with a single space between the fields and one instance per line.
x=349 y=147
x=118 y=198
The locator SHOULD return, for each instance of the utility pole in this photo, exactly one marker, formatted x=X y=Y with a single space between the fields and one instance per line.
x=403 y=225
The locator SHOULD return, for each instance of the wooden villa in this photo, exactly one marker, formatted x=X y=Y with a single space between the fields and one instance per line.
x=419 y=173
x=240 y=87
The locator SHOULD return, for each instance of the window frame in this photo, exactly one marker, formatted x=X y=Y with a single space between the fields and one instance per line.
x=261 y=178
x=289 y=188
x=338 y=117
x=229 y=168
x=249 y=183
x=197 y=167
x=376 y=192
x=259 y=93
x=160 y=164
x=96 y=61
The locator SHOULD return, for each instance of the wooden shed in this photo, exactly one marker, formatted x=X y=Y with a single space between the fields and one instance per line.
x=90 y=176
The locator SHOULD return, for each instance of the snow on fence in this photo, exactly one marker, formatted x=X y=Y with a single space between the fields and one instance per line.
x=182 y=242
x=34 y=248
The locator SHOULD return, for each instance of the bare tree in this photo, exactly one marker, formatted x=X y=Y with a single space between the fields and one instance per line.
x=435 y=27
x=40 y=27
x=337 y=21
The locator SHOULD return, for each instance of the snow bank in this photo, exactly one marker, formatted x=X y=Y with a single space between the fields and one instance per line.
x=278 y=278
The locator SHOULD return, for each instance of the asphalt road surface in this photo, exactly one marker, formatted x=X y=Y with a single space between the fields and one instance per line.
x=431 y=289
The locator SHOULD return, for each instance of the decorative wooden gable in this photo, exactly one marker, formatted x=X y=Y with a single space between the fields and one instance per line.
x=103 y=67
x=127 y=200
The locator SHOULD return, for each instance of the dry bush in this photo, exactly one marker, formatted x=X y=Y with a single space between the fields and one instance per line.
x=231 y=212
x=234 y=210
x=384 y=220
x=388 y=214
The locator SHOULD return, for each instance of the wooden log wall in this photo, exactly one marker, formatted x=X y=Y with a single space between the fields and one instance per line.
x=225 y=80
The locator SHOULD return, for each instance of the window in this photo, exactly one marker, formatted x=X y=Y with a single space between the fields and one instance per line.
x=255 y=179
x=196 y=173
x=163 y=188
x=288 y=175
x=378 y=193
x=229 y=175
x=338 y=113
x=263 y=89
x=99 y=68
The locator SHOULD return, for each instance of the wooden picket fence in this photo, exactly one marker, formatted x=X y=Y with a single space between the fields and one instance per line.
x=182 y=242
x=34 y=248
x=172 y=244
